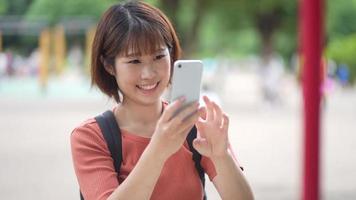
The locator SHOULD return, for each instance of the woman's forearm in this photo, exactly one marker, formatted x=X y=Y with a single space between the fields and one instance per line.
x=230 y=181
x=142 y=179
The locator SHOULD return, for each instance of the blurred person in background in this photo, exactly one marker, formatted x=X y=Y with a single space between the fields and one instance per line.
x=343 y=74
x=272 y=73
x=133 y=52
x=34 y=62
x=9 y=64
x=3 y=63
x=75 y=57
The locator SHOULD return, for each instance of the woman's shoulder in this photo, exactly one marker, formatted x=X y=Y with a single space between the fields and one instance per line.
x=87 y=132
x=89 y=125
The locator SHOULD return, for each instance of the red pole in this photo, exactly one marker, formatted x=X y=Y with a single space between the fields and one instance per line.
x=311 y=20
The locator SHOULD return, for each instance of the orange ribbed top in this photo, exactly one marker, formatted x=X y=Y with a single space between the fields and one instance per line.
x=97 y=178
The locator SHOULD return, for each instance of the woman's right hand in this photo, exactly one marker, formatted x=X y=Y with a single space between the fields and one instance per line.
x=172 y=128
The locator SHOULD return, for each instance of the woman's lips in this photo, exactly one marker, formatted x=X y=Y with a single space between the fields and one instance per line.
x=148 y=89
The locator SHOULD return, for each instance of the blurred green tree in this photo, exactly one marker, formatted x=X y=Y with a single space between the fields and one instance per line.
x=343 y=51
x=12 y=11
x=341 y=31
x=209 y=27
x=55 y=10
x=225 y=20
x=186 y=15
x=14 y=7
x=268 y=19
x=341 y=18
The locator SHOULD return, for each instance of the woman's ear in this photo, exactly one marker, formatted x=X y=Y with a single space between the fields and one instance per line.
x=109 y=68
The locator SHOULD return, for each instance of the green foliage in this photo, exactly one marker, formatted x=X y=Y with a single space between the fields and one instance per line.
x=19 y=7
x=286 y=43
x=3 y=6
x=14 y=7
x=186 y=14
x=343 y=50
x=228 y=27
x=341 y=32
x=153 y=2
x=341 y=18
x=215 y=41
x=55 y=10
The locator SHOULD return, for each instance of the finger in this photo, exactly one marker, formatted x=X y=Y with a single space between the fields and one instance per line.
x=195 y=114
x=209 y=109
x=185 y=113
x=172 y=109
x=218 y=114
x=189 y=122
x=177 y=125
x=185 y=131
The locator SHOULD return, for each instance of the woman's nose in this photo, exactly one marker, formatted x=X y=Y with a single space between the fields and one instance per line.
x=148 y=72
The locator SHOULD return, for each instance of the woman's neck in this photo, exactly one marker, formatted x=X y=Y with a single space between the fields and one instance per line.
x=139 y=118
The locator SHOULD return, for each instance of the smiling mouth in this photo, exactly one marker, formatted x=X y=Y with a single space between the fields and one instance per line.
x=148 y=88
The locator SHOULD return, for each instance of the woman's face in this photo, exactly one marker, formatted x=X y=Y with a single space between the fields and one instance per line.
x=143 y=78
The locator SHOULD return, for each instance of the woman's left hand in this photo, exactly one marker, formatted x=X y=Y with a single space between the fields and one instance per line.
x=213 y=131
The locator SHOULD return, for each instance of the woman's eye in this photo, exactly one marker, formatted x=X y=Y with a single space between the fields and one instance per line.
x=160 y=56
x=134 y=61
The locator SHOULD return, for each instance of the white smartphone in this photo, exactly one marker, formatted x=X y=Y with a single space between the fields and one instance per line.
x=186 y=80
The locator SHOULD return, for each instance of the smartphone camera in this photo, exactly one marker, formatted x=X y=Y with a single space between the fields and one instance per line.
x=179 y=66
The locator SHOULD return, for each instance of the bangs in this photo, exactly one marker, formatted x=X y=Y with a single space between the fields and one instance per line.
x=145 y=38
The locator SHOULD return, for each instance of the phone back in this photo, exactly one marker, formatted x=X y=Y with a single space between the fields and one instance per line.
x=186 y=80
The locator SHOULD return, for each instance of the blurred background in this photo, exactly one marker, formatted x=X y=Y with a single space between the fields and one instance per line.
x=250 y=55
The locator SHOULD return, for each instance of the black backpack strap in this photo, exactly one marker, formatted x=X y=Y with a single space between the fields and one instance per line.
x=196 y=157
x=81 y=196
x=111 y=132
x=112 y=135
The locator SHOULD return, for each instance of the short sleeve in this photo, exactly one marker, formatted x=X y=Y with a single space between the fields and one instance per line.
x=208 y=167
x=92 y=162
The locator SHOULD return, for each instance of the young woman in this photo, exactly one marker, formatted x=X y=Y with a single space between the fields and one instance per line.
x=133 y=52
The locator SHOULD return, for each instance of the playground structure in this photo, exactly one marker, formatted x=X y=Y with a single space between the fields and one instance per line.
x=51 y=40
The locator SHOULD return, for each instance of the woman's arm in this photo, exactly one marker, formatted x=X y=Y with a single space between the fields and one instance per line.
x=213 y=143
x=230 y=181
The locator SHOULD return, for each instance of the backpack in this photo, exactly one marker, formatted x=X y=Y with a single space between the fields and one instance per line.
x=110 y=128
